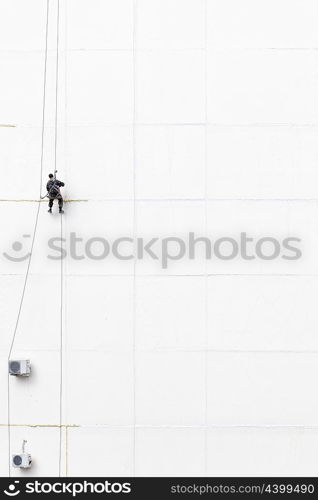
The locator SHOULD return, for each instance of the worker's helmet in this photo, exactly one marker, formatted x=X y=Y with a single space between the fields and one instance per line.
x=51 y=176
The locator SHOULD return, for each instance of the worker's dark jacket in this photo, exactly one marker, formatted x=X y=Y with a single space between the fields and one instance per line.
x=53 y=188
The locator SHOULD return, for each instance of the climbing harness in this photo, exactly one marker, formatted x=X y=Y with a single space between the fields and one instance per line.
x=47 y=195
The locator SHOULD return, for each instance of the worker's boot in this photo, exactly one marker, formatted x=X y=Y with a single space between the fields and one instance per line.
x=50 y=210
x=61 y=210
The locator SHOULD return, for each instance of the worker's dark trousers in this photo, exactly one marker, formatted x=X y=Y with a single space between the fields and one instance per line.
x=57 y=197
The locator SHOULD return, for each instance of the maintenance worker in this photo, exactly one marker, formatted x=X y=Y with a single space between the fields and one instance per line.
x=53 y=192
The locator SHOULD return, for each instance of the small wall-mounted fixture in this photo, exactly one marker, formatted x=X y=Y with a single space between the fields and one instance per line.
x=20 y=368
x=22 y=460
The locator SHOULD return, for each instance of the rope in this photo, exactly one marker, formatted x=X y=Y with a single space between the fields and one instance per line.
x=34 y=229
x=61 y=290
x=56 y=78
x=135 y=10
x=61 y=357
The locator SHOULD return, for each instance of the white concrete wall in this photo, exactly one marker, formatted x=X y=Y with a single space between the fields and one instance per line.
x=173 y=116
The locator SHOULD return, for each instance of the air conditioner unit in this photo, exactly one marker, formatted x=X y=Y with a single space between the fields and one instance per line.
x=20 y=368
x=22 y=461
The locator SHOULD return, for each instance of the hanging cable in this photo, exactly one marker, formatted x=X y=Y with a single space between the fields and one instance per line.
x=34 y=229
x=61 y=357
x=61 y=269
